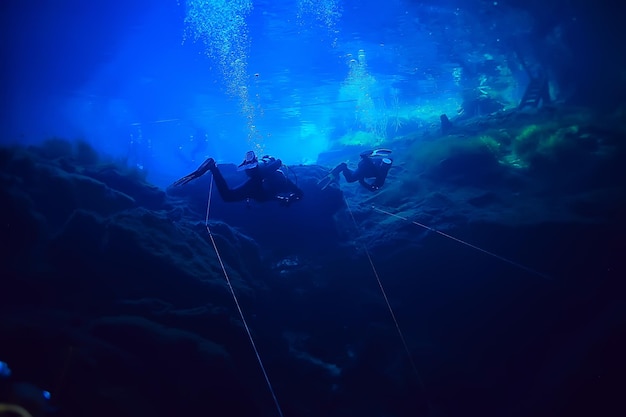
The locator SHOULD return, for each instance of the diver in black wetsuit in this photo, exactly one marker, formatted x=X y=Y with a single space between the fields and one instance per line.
x=266 y=182
x=373 y=164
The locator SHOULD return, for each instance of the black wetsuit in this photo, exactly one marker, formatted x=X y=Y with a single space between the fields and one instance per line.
x=368 y=168
x=265 y=182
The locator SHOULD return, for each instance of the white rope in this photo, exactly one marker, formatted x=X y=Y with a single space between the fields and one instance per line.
x=232 y=291
x=502 y=258
x=393 y=315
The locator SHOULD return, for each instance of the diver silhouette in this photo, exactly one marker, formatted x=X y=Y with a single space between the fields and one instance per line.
x=373 y=164
x=266 y=181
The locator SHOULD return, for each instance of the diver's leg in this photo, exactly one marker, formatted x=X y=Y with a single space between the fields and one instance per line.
x=227 y=194
x=350 y=175
x=202 y=169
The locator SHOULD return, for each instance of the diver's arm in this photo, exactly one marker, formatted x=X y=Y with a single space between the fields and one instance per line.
x=367 y=186
x=296 y=192
x=380 y=179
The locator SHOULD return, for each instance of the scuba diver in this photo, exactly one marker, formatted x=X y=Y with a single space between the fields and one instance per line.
x=265 y=182
x=373 y=164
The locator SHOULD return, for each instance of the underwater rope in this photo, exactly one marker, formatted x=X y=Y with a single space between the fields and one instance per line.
x=232 y=291
x=502 y=258
x=382 y=290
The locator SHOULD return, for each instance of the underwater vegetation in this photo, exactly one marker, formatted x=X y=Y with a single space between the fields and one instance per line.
x=561 y=137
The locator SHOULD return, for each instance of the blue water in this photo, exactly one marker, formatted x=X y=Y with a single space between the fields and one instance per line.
x=484 y=278
x=106 y=74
